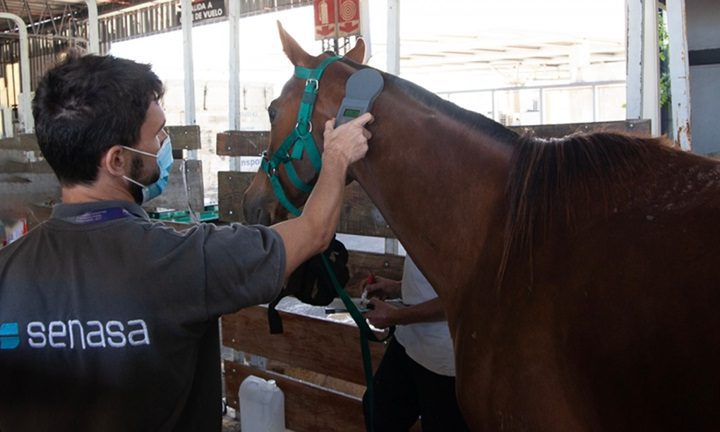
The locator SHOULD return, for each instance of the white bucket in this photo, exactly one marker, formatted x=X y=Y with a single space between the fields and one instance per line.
x=262 y=406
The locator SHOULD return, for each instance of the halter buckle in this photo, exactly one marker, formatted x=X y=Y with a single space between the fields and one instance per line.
x=267 y=165
x=297 y=130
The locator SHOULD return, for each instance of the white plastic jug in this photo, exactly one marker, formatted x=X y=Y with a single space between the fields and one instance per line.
x=262 y=406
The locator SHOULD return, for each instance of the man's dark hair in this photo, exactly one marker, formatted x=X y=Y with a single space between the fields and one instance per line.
x=85 y=105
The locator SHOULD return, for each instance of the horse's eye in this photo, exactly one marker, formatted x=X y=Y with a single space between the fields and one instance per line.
x=271 y=113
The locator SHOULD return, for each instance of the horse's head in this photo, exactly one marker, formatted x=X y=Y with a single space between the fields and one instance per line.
x=291 y=162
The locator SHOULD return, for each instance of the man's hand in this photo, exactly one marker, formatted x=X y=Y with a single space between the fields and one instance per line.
x=349 y=141
x=310 y=233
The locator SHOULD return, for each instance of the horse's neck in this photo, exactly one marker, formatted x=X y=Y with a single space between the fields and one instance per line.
x=439 y=184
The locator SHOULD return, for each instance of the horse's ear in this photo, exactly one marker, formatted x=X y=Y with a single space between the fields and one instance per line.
x=357 y=53
x=293 y=51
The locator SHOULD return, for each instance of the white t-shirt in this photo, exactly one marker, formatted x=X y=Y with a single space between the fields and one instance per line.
x=428 y=343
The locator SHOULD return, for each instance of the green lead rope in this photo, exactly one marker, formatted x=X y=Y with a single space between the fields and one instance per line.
x=366 y=334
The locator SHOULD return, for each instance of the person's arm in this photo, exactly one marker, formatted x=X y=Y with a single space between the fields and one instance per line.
x=311 y=232
x=384 y=315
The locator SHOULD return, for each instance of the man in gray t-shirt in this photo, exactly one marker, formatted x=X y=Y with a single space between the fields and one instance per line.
x=108 y=320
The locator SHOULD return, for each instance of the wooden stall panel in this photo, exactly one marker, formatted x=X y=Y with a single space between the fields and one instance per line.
x=308 y=343
x=635 y=127
x=231 y=187
x=185 y=137
x=360 y=264
x=252 y=143
x=25 y=178
x=182 y=188
x=242 y=143
x=308 y=408
x=14 y=166
x=21 y=189
x=10 y=157
x=22 y=184
x=359 y=215
x=21 y=142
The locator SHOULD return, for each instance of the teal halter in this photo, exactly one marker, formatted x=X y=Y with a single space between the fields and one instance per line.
x=300 y=141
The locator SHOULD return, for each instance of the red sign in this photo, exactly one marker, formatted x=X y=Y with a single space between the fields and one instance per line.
x=347 y=13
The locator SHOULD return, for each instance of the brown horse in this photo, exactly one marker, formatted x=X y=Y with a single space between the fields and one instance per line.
x=581 y=276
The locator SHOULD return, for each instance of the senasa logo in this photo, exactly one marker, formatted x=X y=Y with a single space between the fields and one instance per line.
x=75 y=334
x=9 y=336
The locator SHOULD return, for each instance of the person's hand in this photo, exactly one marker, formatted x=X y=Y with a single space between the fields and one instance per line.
x=349 y=140
x=382 y=288
x=380 y=314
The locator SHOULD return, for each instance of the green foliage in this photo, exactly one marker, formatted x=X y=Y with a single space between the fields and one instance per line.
x=664 y=54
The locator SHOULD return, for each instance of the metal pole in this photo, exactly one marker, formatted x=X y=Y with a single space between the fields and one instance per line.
x=93 y=34
x=365 y=28
x=634 y=32
x=189 y=80
x=234 y=75
x=234 y=66
x=27 y=121
x=393 y=37
x=494 y=112
x=594 y=103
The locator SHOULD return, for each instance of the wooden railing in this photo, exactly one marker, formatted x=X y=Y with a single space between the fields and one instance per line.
x=29 y=188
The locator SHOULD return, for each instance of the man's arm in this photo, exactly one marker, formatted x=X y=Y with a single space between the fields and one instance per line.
x=311 y=232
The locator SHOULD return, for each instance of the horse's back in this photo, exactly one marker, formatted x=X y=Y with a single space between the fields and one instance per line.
x=616 y=327
x=645 y=332
x=638 y=309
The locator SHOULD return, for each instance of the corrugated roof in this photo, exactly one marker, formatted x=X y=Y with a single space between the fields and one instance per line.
x=40 y=14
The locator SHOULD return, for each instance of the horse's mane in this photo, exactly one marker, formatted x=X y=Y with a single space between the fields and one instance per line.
x=552 y=180
x=434 y=102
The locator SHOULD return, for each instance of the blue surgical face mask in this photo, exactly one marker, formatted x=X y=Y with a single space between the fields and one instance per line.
x=164 y=160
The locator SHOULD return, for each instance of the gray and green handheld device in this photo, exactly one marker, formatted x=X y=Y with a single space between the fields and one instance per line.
x=361 y=90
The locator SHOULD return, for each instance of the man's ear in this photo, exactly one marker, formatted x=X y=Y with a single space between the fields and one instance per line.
x=114 y=161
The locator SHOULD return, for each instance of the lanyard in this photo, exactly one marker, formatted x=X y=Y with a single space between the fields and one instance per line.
x=98 y=216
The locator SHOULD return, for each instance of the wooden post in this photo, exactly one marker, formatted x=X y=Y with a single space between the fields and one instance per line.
x=679 y=74
x=189 y=81
x=643 y=62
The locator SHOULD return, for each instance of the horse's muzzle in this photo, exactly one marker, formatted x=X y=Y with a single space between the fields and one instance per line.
x=257 y=208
